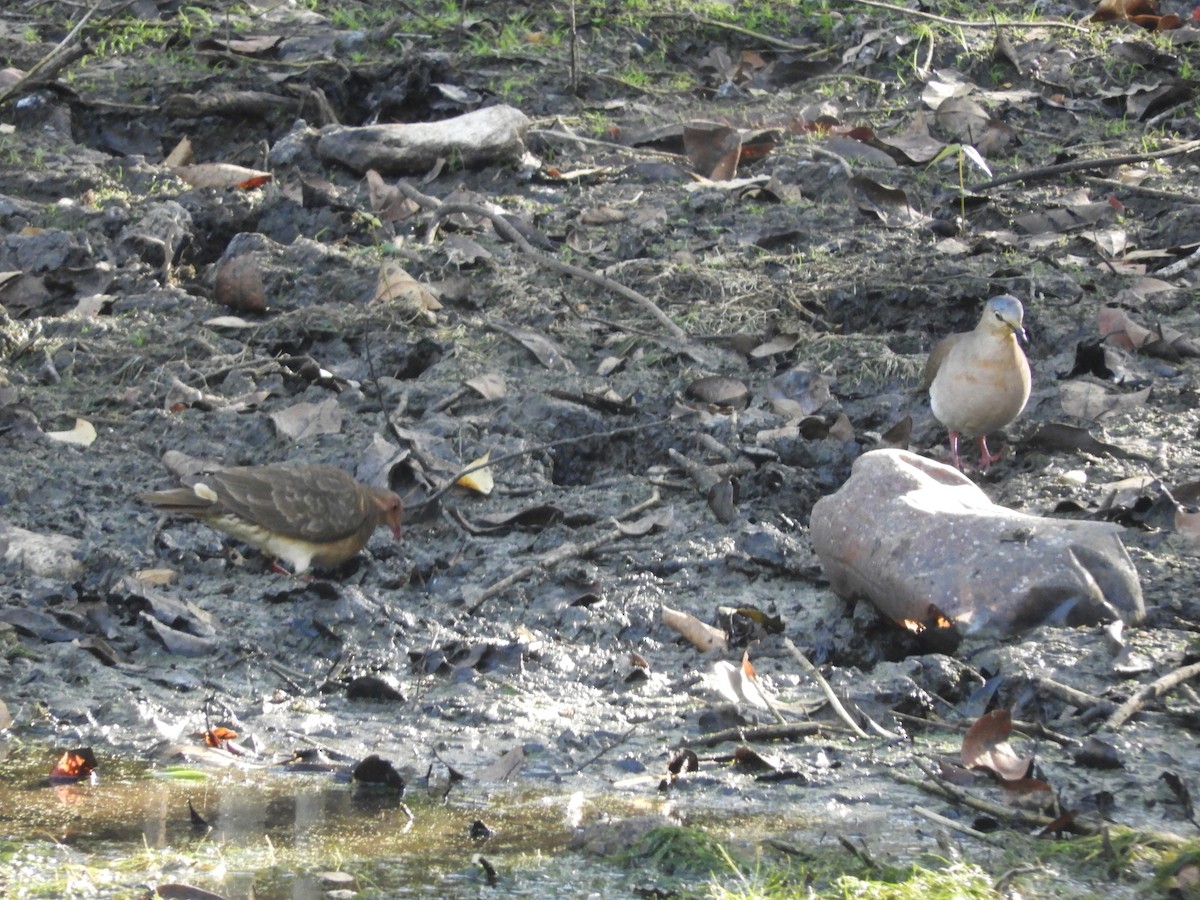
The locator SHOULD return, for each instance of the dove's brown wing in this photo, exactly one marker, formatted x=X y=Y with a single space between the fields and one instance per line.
x=936 y=357
x=320 y=504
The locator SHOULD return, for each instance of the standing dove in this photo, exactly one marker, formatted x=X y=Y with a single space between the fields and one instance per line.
x=978 y=380
x=303 y=515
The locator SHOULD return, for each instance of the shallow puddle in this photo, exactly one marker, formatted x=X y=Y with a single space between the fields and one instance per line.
x=282 y=836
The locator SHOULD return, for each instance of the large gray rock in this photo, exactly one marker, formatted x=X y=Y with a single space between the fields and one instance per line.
x=917 y=538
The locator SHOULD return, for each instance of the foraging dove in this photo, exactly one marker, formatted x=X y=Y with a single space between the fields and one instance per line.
x=978 y=380
x=303 y=515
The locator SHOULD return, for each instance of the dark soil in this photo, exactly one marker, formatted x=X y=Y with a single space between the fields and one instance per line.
x=109 y=312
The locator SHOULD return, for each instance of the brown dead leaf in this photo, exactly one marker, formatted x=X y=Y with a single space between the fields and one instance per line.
x=396 y=286
x=386 y=200
x=180 y=155
x=891 y=205
x=262 y=46
x=1087 y=400
x=985 y=746
x=719 y=391
x=548 y=353
x=240 y=284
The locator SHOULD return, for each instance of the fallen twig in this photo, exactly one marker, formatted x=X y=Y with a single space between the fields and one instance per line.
x=947 y=791
x=1079 y=165
x=768 y=39
x=509 y=233
x=972 y=23
x=63 y=54
x=622 y=739
x=1154 y=689
x=959 y=827
x=758 y=733
x=826 y=688
x=540 y=448
x=559 y=554
x=1067 y=694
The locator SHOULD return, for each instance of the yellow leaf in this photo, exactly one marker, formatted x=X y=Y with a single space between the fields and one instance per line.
x=480 y=480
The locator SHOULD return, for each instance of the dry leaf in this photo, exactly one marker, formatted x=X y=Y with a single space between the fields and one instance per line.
x=1091 y=401
x=396 y=285
x=480 y=480
x=240 y=285
x=180 y=155
x=155 y=577
x=737 y=685
x=489 y=386
x=985 y=746
x=82 y=435
x=713 y=150
x=306 y=420
x=73 y=766
x=221 y=175
x=704 y=637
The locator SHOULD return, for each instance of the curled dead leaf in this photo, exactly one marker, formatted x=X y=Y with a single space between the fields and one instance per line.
x=985 y=746
x=704 y=637
x=396 y=286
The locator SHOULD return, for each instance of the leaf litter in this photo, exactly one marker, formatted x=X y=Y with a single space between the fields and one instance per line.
x=852 y=266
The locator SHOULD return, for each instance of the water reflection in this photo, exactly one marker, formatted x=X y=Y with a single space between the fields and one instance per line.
x=277 y=836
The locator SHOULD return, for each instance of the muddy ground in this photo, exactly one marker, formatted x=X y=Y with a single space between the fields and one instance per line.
x=111 y=314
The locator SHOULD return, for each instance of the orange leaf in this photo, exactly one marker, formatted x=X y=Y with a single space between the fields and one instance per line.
x=215 y=737
x=747 y=667
x=74 y=765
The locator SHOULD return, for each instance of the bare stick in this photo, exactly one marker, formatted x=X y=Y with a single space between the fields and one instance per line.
x=787 y=732
x=826 y=688
x=1007 y=814
x=557 y=555
x=970 y=23
x=1079 y=165
x=60 y=57
x=958 y=826
x=506 y=231
x=550 y=445
x=1154 y=689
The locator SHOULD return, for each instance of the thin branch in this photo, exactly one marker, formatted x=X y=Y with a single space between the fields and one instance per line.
x=826 y=688
x=971 y=23
x=1080 y=165
x=960 y=827
x=509 y=233
x=559 y=554
x=528 y=451
x=60 y=57
x=1154 y=689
